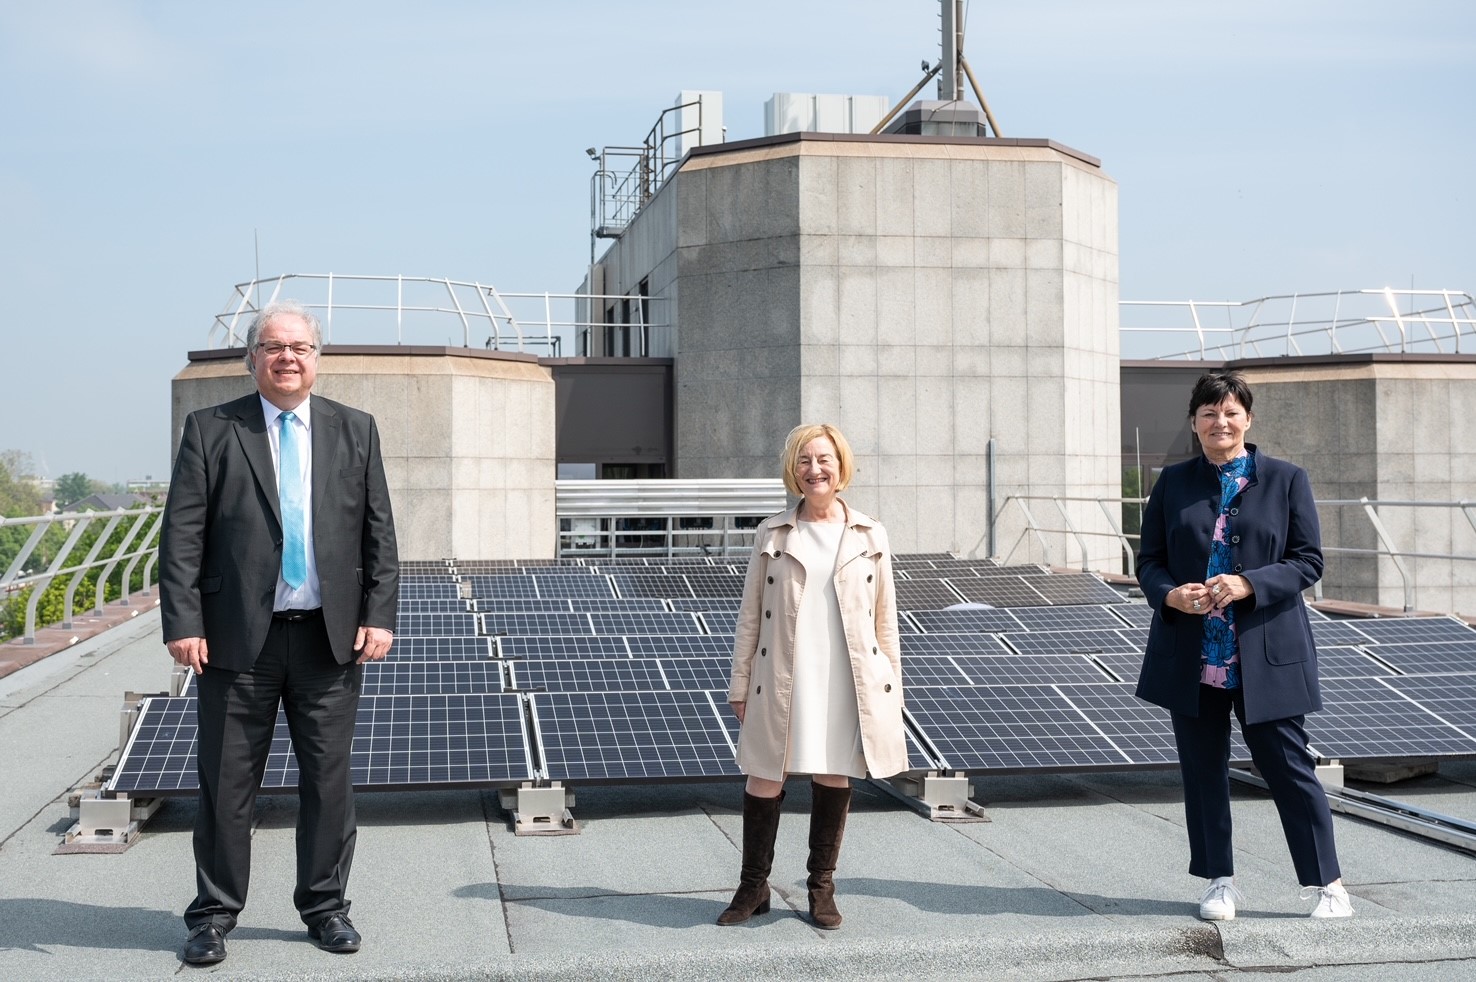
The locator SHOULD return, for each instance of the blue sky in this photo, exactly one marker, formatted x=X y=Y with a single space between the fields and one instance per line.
x=1259 y=147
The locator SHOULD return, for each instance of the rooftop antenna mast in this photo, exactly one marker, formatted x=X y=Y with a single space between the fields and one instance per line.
x=952 y=68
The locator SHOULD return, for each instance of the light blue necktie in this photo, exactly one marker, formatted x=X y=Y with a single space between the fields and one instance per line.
x=289 y=494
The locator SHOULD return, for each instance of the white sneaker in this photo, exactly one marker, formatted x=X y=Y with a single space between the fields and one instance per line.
x=1218 y=902
x=1332 y=900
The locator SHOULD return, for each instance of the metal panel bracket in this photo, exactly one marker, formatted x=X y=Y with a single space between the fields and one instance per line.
x=106 y=824
x=938 y=797
x=540 y=810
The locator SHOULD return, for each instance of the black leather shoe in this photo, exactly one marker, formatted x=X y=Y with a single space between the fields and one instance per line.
x=335 y=933
x=206 y=946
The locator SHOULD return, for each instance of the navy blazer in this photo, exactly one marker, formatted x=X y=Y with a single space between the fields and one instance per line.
x=221 y=546
x=1275 y=544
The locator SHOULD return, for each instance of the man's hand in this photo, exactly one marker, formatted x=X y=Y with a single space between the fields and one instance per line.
x=193 y=653
x=373 y=643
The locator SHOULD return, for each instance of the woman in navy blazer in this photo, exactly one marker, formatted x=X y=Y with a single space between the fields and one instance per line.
x=1229 y=541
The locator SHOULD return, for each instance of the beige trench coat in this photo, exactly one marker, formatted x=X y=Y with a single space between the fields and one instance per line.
x=763 y=650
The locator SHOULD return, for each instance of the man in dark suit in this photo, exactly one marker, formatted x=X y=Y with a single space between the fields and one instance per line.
x=279 y=578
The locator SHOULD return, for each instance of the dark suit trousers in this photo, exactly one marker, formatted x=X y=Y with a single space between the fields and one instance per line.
x=237 y=712
x=1279 y=750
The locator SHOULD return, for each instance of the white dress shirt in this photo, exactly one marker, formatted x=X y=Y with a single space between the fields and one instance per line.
x=309 y=595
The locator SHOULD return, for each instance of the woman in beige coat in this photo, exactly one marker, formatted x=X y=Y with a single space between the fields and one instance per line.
x=817 y=673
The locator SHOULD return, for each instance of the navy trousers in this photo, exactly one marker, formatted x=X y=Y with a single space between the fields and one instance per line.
x=1279 y=750
x=237 y=712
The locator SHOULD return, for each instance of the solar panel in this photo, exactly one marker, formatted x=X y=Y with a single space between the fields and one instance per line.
x=647 y=622
x=1347 y=663
x=441 y=625
x=1144 y=733
x=1072 y=618
x=1122 y=664
x=721 y=621
x=523 y=605
x=399 y=741
x=1076 y=588
x=1135 y=614
x=1337 y=632
x=1313 y=614
x=1439 y=658
x=1011 y=728
x=1452 y=699
x=682 y=646
x=664 y=585
x=591 y=605
x=707 y=674
x=987 y=620
x=1027 y=571
x=1416 y=630
x=438 y=605
x=714 y=584
x=1029 y=670
x=561 y=646
x=433 y=648
x=420 y=566
x=634 y=736
x=417 y=678
x=588 y=674
x=706 y=603
x=427 y=588
x=504 y=587
x=920 y=670
x=919 y=758
x=1365 y=718
x=574 y=585
x=553 y=624
x=929 y=594
x=951 y=644
x=997 y=591
x=1068 y=642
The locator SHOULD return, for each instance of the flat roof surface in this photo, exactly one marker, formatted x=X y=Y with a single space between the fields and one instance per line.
x=1072 y=877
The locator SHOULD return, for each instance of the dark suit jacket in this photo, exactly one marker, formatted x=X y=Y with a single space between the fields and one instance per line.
x=1275 y=544
x=221 y=544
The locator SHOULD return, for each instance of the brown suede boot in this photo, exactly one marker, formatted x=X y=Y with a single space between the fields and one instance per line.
x=760 y=826
x=827 y=826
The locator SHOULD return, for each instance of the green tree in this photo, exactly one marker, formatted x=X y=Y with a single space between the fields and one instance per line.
x=72 y=488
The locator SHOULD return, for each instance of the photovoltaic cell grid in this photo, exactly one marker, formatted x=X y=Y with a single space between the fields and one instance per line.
x=1031 y=670
x=561 y=646
x=435 y=625
x=634 y=736
x=1011 y=728
x=1141 y=731
x=721 y=621
x=1438 y=658
x=1337 y=662
x=588 y=675
x=1136 y=614
x=433 y=648
x=1418 y=630
x=932 y=670
x=574 y=585
x=399 y=742
x=682 y=646
x=649 y=622
x=998 y=591
x=924 y=594
x=951 y=644
x=1069 y=642
x=440 y=605
x=1453 y=703
x=513 y=585
x=1067 y=618
x=1337 y=633
x=714 y=584
x=709 y=674
x=1078 y=588
x=985 y=620
x=429 y=588
x=730 y=604
x=550 y=624
x=1125 y=666
x=1366 y=718
x=418 y=678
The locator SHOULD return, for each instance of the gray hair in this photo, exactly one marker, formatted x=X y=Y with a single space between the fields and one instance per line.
x=279 y=308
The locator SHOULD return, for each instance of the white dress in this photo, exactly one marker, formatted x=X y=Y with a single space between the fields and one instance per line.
x=824 y=724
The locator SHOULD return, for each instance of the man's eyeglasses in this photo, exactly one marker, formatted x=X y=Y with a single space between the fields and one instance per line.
x=274 y=348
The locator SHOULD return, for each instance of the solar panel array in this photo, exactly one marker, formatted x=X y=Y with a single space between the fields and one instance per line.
x=507 y=672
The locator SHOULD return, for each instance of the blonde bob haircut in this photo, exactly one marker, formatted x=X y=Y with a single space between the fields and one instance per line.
x=796 y=441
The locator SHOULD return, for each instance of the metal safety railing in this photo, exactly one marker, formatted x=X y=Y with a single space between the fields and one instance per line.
x=628 y=177
x=1338 y=322
x=138 y=543
x=356 y=309
x=608 y=519
x=1388 y=547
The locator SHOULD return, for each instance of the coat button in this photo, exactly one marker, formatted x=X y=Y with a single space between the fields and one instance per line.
x=767 y=613
x=868 y=577
x=1235 y=511
x=1237 y=568
x=776 y=553
x=1234 y=539
x=873 y=651
x=887 y=687
x=771 y=579
x=759 y=691
x=763 y=652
